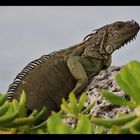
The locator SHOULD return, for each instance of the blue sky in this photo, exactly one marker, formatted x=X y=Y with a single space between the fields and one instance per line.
x=27 y=32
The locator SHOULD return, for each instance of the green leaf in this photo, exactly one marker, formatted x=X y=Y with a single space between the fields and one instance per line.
x=134 y=67
x=62 y=128
x=11 y=110
x=73 y=103
x=136 y=94
x=122 y=84
x=22 y=106
x=15 y=104
x=115 y=99
x=24 y=130
x=134 y=123
x=110 y=122
x=4 y=108
x=34 y=113
x=100 y=130
x=129 y=77
x=52 y=120
x=129 y=80
x=114 y=130
x=22 y=98
x=82 y=101
x=84 y=126
x=128 y=90
x=8 y=118
x=65 y=107
x=19 y=122
x=74 y=107
x=126 y=74
x=2 y=98
x=73 y=99
x=40 y=116
x=134 y=131
x=88 y=108
x=40 y=126
x=56 y=126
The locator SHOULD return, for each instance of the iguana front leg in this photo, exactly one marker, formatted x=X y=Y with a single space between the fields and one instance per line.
x=78 y=72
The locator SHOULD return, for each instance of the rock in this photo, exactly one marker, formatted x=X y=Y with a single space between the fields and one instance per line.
x=105 y=80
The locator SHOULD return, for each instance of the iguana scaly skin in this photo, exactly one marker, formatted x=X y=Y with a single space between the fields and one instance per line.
x=51 y=77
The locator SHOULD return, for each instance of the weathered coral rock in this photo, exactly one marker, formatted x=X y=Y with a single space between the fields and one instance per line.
x=105 y=80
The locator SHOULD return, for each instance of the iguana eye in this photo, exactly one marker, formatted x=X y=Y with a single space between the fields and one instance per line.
x=119 y=24
x=109 y=49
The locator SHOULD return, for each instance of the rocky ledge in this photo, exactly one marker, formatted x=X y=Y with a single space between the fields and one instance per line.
x=105 y=80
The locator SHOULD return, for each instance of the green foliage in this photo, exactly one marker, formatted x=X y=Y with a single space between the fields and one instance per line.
x=115 y=99
x=14 y=118
x=57 y=126
x=117 y=121
x=74 y=107
x=129 y=81
x=84 y=126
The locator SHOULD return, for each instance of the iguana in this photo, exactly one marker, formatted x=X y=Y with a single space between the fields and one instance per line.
x=52 y=77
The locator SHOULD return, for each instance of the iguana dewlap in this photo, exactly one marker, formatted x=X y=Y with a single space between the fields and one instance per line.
x=51 y=77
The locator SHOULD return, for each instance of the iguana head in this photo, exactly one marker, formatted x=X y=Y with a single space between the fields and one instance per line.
x=113 y=36
x=119 y=34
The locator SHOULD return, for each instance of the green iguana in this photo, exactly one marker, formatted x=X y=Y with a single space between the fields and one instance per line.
x=51 y=77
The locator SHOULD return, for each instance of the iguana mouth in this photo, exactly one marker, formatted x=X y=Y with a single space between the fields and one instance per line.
x=128 y=41
x=131 y=33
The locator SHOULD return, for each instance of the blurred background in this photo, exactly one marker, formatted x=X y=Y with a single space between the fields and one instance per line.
x=28 y=32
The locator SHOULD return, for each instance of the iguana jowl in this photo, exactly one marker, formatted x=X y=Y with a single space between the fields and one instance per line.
x=51 y=77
